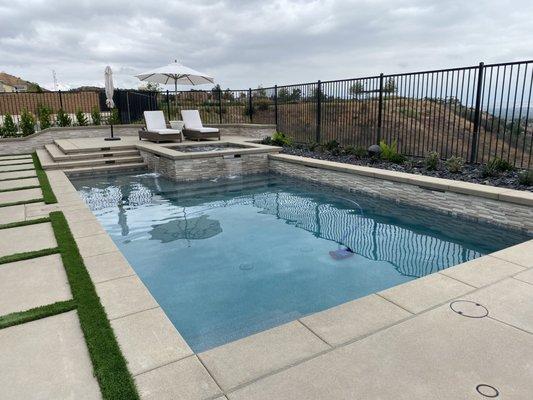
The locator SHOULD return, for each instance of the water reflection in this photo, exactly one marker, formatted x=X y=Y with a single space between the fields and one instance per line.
x=414 y=241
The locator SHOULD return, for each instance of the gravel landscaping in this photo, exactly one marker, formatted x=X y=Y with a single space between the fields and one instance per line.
x=469 y=173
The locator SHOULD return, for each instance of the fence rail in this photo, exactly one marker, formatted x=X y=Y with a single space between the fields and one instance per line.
x=476 y=112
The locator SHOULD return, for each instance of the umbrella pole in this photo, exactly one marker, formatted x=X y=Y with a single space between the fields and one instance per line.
x=176 y=96
x=111 y=124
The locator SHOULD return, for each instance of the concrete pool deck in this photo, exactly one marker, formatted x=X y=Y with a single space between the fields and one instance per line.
x=406 y=342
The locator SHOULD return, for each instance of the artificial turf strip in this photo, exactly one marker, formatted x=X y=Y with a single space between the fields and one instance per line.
x=19 y=188
x=48 y=195
x=109 y=365
x=25 y=223
x=33 y=314
x=17 y=203
x=16 y=179
x=28 y=255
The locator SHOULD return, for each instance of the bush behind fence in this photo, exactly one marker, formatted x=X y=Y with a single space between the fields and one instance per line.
x=476 y=113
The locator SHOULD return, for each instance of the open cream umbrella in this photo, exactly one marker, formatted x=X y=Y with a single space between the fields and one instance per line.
x=177 y=74
x=109 y=91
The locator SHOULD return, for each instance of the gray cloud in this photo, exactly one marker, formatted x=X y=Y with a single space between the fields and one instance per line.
x=247 y=43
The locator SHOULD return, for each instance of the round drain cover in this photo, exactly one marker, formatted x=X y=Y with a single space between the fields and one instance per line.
x=487 y=390
x=469 y=309
x=246 y=267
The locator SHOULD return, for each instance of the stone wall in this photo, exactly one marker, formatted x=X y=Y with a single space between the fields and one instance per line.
x=207 y=167
x=248 y=130
x=496 y=212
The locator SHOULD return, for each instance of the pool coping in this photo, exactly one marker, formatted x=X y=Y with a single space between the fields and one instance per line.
x=437 y=289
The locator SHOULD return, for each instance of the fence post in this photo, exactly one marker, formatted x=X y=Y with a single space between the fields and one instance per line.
x=380 y=107
x=318 y=110
x=128 y=105
x=250 y=104
x=276 y=105
x=220 y=104
x=60 y=100
x=168 y=106
x=477 y=114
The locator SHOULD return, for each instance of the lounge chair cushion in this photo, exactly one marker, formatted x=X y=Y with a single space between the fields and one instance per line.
x=205 y=130
x=167 y=131
x=192 y=120
x=155 y=120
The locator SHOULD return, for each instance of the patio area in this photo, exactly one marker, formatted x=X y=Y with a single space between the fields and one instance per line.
x=464 y=332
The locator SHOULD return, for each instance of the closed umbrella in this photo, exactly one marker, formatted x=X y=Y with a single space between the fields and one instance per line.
x=109 y=90
x=177 y=74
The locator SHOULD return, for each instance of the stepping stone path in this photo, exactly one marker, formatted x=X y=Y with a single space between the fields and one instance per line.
x=27 y=238
x=18 y=183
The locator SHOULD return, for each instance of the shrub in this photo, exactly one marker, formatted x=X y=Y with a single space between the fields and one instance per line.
x=279 y=139
x=356 y=151
x=332 y=146
x=526 y=178
x=63 y=118
x=495 y=166
x=454 y=164
x=114 y=117
x=81 y=118
x=45 y=116
x=267 y=140
x=9 y=128
x=432 y=161
x=96 y=116
x=27 y=123
x=314 y=146
x=390 y=153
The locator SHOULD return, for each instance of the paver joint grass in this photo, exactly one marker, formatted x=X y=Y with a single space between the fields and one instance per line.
x=48 y=195
x=19 y=188
x=18 y=203
x=109 y=364
x=28 y=255
x=25 y=223
x=33 y=314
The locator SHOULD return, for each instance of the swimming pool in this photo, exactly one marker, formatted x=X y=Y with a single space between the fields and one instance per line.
x=231 y=258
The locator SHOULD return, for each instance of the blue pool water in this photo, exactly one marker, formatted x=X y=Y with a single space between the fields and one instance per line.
x=230 y=258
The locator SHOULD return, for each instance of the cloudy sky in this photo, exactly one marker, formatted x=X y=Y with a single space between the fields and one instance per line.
x=246 y=43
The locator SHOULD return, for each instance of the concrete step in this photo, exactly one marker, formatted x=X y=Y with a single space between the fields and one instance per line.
x=94 y=162
x=106 y=168
x=67 y=147
x=58 y=155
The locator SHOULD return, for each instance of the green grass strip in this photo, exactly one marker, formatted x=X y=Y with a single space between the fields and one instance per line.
x=17 y=203
x=33 y=314
x=28 y=255
x=48 y=194
x=16 y=179
x=17 y=159
x=19 y=188
x=24 y=164
x=16 y=170
x=109 y=365
x=25 y=223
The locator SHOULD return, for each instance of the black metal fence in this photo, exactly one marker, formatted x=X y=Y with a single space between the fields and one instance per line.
x=476 y=113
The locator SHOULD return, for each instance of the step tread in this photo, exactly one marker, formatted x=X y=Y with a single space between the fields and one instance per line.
x=58 y=155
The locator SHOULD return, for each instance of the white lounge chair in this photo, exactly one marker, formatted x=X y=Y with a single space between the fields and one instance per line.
x=156 y=128
x=194 y=129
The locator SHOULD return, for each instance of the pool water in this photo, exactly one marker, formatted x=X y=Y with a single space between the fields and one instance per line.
x=231 y=258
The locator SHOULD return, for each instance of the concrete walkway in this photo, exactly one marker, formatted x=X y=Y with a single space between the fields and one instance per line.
x=46 y=358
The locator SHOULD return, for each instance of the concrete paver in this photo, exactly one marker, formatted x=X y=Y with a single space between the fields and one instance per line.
x=519 y=254
x=423 y=293
x=10 y=168
x=124 y=296
x=249 y=358
x=20 y=195
x=32 y=283
x=510 y=301
x=186 y=379
x=482 y=271
x=354 y=319
x=95 y=245
x=149 y=340
x=46 y=359
x=436 y=355
x=23 y=161
x=12 y=214
x=27 y=238
x=14 y=184
x=108 y=266
x=16 y=174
